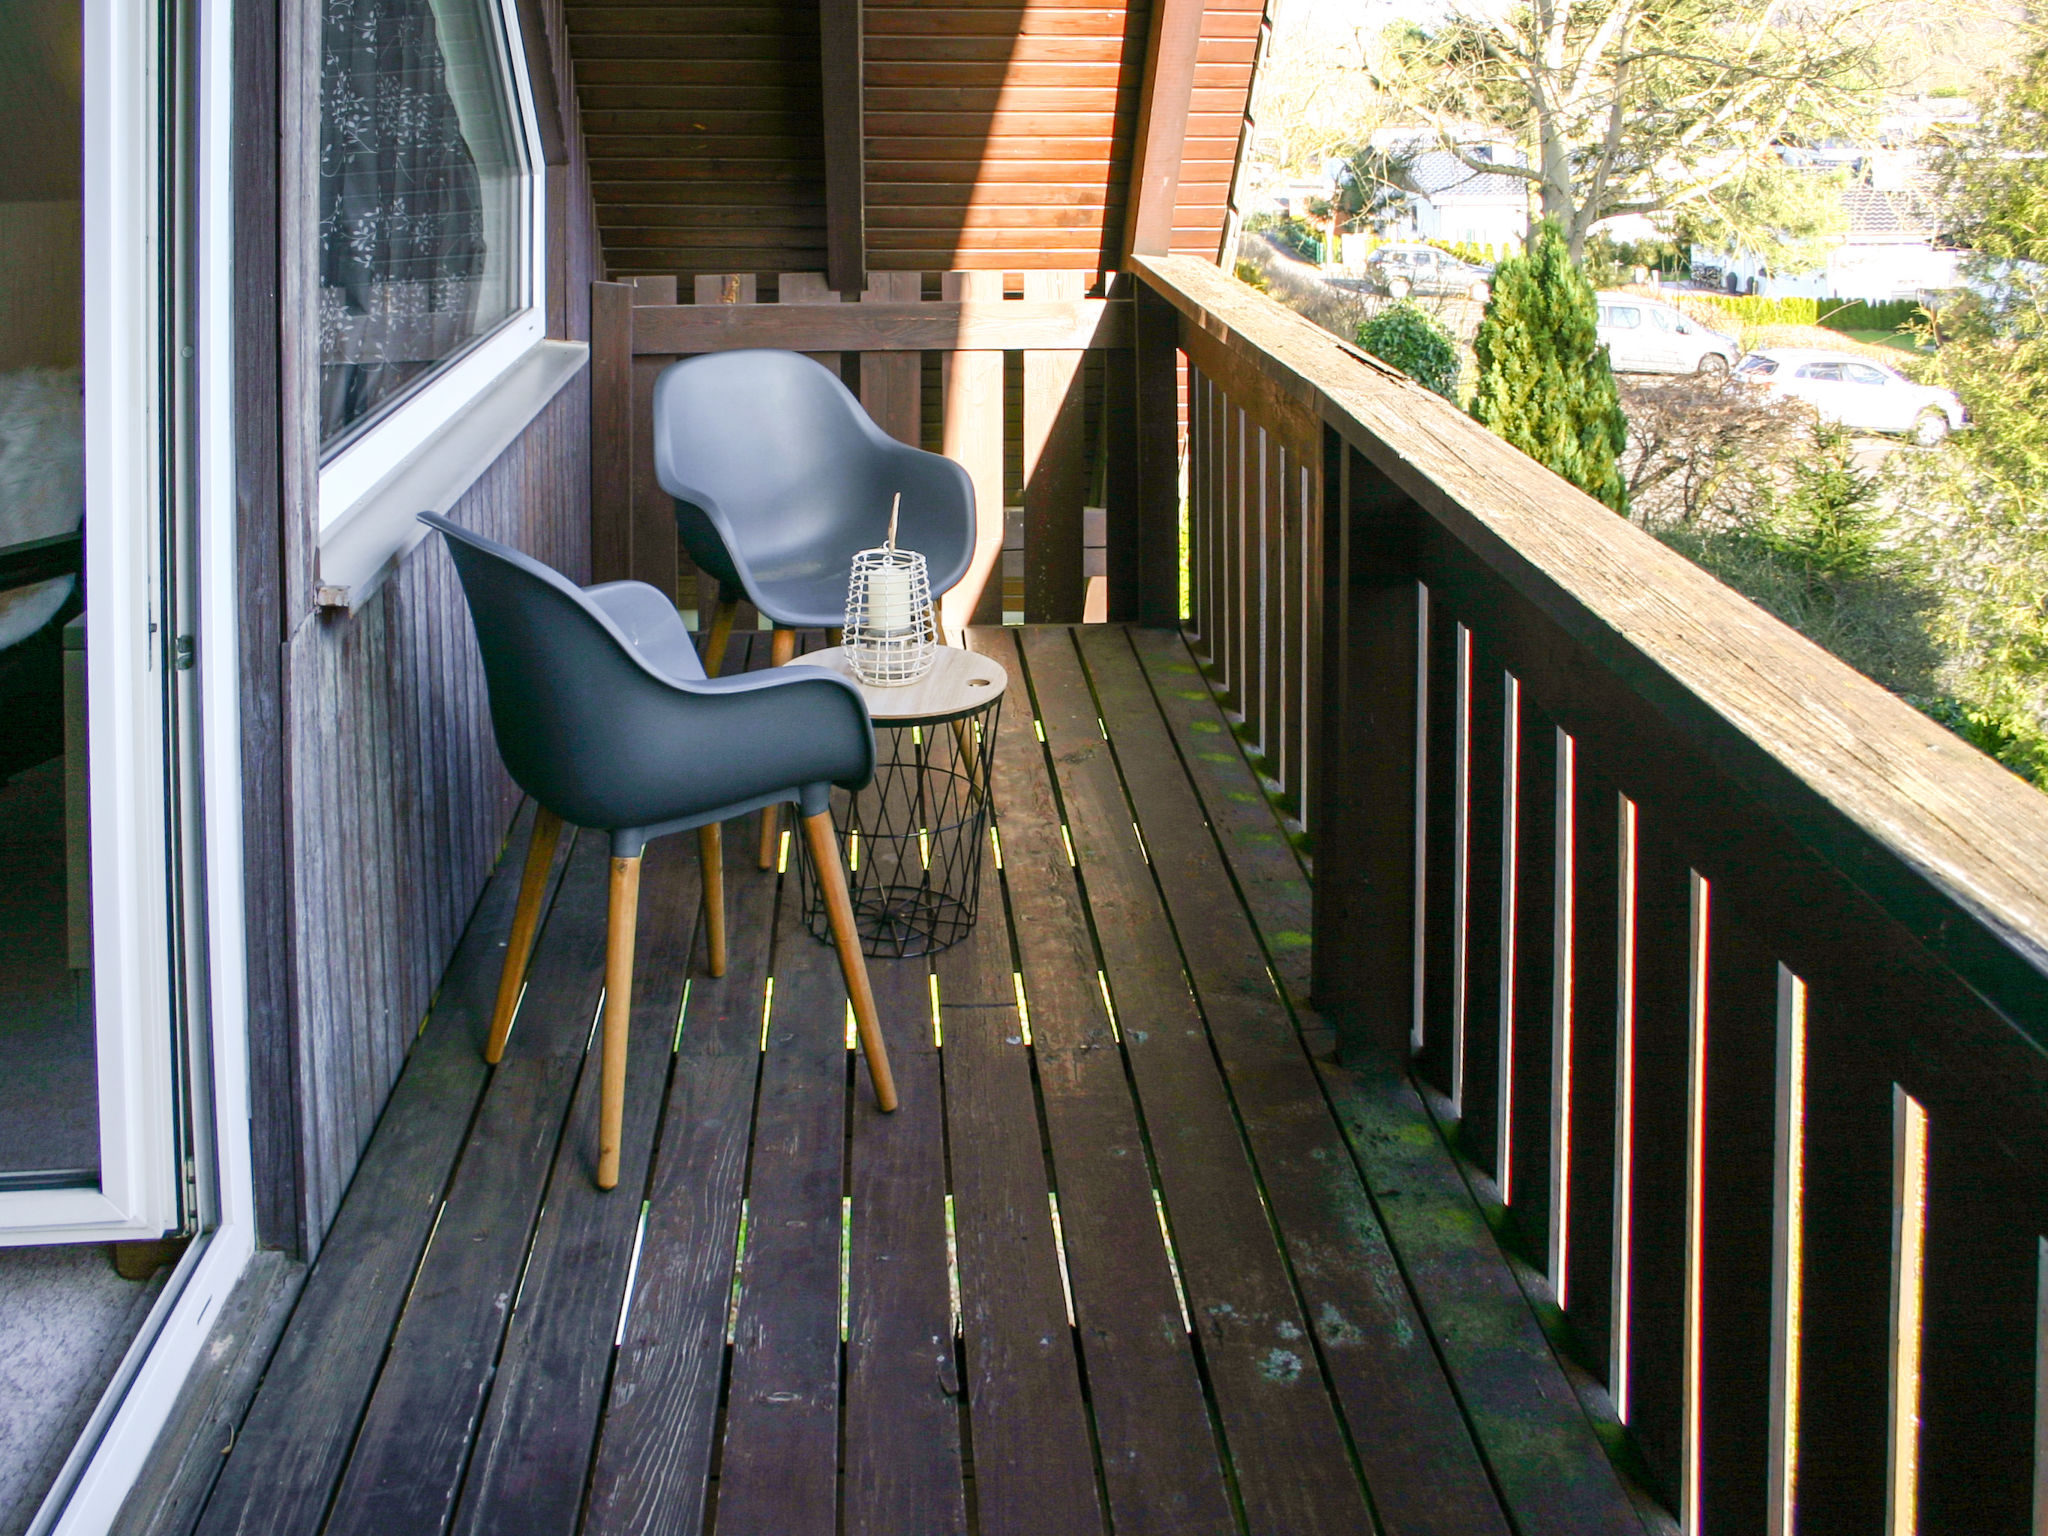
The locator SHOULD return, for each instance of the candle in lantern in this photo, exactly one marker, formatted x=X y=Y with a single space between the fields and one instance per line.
x=889 y=599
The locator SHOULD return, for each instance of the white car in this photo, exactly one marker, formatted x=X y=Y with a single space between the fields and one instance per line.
x=1860 y=395
x=1644 y=336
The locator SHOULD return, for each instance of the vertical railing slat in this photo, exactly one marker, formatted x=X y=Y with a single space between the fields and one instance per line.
x=1366 y=846
x=1592 y=1031
x=1985 y=1220
x=1741 y=1134
x=1478 y=1090
x=1273 y=605
x=1527 y=1185
x=1844 y=1355
x=1440 y=949
x=1652 y=1391
x=1055 y=475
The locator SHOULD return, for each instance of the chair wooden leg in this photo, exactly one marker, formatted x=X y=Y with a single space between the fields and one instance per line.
x=721 y=632
x=853 y=964
x=711 y=856
x=781 y=648
x=618 y=1011
x=540 y=853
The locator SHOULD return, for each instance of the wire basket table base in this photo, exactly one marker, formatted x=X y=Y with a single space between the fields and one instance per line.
x=914 y=839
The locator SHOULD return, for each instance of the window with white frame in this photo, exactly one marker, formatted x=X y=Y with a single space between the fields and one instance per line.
x=430 y=260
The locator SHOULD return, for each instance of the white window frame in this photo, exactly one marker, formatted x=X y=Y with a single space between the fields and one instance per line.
x=349 y=477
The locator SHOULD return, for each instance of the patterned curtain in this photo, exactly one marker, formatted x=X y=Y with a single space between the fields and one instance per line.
x=402 y=248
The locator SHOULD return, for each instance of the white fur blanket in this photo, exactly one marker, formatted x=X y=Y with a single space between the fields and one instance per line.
x=42 y=482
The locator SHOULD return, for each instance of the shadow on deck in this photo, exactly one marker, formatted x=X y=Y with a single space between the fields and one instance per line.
x=1134 y=1255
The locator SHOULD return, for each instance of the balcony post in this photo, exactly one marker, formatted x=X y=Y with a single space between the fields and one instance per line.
x=1364 y=967
x=1144 y=466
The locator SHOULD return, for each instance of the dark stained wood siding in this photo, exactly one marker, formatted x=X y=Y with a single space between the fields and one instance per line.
x=374 y=803
x=997 y=134
x=400 y=804
x=704 y=131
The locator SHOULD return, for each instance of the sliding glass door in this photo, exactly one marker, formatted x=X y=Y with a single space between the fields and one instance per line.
x=91 y=647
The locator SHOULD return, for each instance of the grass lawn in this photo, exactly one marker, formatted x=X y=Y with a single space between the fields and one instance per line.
x=1901 y=341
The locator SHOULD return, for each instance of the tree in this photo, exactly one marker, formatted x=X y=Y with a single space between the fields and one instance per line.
x=1640 y=106
x=1695 y=444
x=1403 y=335
x=1544 y=382
x=1989 y=485
x=1317 y=97
x=1372 y=186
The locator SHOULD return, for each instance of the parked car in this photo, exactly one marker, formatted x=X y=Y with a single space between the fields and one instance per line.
x=1865 y=396
x=1644 y=336
x=1399 y=270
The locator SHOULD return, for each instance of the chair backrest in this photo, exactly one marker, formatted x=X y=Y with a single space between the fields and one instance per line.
x=774 y=450
x=565 y=685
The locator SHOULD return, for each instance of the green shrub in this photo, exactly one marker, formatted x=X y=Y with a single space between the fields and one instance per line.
x=1299 y=236
x=1465 y=250
x=1544 y=381
x=1251 y=276
x=1415 y=343
x=1860 y=315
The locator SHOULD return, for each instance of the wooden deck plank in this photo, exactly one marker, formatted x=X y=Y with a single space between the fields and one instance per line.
x=407 y=1465
x=1550 y=1467
x=540 y=1429
x=902 y=1382
x=295 y=1438
x=1412 y=1443
x=1286 y=1446
x=1034 y=1469
x=1267 y=870
x=654 y=1454
x=779 y=1473
x=1160 y=1460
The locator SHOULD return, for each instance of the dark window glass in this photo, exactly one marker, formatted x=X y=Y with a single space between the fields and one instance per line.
x=421 y=197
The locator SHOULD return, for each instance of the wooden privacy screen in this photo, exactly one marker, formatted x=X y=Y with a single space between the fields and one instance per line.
x=1062 y=455
x=1731 y=969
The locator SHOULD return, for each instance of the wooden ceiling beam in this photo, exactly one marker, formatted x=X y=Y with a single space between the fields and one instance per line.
x=839 y=59
x=1163 y=107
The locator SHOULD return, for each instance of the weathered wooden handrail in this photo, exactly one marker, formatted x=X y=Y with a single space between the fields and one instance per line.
x=1732 y=968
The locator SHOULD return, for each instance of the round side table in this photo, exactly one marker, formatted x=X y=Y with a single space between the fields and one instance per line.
x=913 y=839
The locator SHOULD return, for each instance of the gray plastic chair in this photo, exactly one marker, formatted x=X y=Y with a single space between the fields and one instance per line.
x=779 y=477
x=604 y=715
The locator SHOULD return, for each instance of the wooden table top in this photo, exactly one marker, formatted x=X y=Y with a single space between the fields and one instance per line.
x=959 y=683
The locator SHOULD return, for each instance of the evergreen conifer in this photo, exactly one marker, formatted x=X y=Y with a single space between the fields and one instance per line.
x=1544 y=383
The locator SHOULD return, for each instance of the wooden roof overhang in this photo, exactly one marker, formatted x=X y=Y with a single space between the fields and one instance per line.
x=849 y=136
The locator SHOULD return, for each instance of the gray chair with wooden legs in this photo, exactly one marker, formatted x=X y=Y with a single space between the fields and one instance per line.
x=779 y=478
x=604 y=715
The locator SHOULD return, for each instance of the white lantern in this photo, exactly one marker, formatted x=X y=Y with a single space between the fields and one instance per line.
x=890 y=638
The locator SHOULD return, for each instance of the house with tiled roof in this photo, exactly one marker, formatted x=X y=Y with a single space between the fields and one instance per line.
x=1451 y=200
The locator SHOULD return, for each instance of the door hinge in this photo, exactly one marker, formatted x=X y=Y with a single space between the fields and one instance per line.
x=181 y=653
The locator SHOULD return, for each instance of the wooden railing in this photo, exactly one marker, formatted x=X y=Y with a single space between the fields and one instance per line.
x=1730 y=969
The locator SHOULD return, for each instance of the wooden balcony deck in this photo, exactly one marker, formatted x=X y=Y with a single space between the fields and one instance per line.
x=1135 y=1255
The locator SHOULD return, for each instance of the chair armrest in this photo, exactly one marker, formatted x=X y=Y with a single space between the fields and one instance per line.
x=650 y=624
x=41 y=559
x=938 y=510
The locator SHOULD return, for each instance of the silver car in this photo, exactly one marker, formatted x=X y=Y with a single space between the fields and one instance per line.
x=1644 y=336
x=1856 y=393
